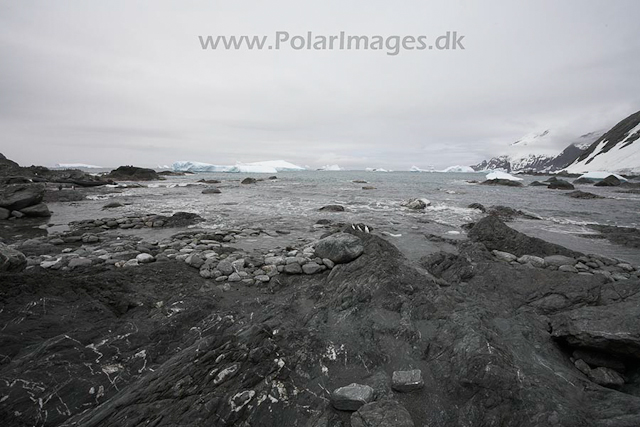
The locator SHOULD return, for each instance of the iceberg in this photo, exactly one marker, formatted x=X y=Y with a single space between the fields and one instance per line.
x=600 y=175
x=502 y=175
x=272 y=166
x=458 y=169
x=376 y=170
x=76 y=166
x=330 y=168
x=417 y=169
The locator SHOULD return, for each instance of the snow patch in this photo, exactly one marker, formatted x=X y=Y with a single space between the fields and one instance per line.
x=502 y=175
x=600 y=175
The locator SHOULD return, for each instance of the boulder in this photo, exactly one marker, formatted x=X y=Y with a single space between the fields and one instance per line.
x=385 y=413
x=351 y=397
x=339 y=248
x=505 y=182
x=560 y=184
x=477 y=206
x=40 y=210
x=4 y=213
x=249 y=181
x=332 y=208
x=610 y=181
x=537 y=184
x=133 y=173
x=16 y=197
x=583 y=181
x=209 y=181
x=406 y=381
x=416 y=204
x=211 y=190
x=606 y=377
x=559 y=260
x=11 y=260
x=496 y=235
x=507 y=213
x=583 y=195
x=613 y=330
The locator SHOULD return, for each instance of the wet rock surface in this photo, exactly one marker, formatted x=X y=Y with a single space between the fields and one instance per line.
x=195 y=331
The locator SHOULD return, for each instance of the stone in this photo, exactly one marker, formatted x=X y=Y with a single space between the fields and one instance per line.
x=339 y=248
x=406 y=381
x=610 y=181
x=37 y=211
x=561 y=184
x=249 y=181
x=496 y=235
x=332 y=208
x=311 y=268
x=606 y=377
x=194 y=260
x=225 y=267
x=328 y=263
x=568 y=269
x=262 y=278
x=4 y=213
x=599 y=359
x=79 y=262
x=351 y=397
x=211 y=190
x=559 y=260
x=535 y=261
x=385 y=413
x=15 y=197
x=11 y=260
x=131 y=263
x=416 y=204
x=583 y=195
x=145 y=258
x=504 y=256
x=582 y=366
x=293 y=268
x=133 y=173
x=477 y=206
x=234 y=277
x=17 y=214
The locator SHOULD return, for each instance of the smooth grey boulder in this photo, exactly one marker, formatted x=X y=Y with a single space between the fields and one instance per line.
x=38 y=211
x=559 y=260
x=11 y=260
x=339 y=248
x=211 y=190
x=351 y=397
x=406 y=381
x=385 y=413
x=16 y=197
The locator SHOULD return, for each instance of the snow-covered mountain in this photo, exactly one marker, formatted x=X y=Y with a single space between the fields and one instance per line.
x=538 y=152
x=618 y=150
x=271 y=166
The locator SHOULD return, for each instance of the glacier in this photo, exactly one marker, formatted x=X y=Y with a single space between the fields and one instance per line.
x=270 y=166
x=459 y=169
x=330 y=168
x=76 y=166
x=502 y=175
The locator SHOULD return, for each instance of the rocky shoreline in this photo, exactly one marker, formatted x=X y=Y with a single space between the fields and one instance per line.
x=104 y=327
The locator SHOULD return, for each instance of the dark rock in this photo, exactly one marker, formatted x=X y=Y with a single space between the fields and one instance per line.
x=133 y=173
x=19 y=196
x=211 y=190
x=406 y=381
x=597 y=359
x=332 y=208
x=171 y=173
x=625 y=236
x=610 y=181
x=610 y=330
x=495 y=235
x=606 y=377
x=113 y=205
x=505 y=182
x=384 y=413
x=209 y=181
x=4 y=213
x=273 y=177
x=293 y=268
x=583 y=181
x=11 y=260
x=561 y=184
x=351 y=397
x=416 y=204
x=537 y=184
x=249 y=181
x=368 y=187
x=359 y=181
x=477 y=206
x=182 y=219
x=583 y=195
x=339 y=248
x=38 y=211
x=506 y=213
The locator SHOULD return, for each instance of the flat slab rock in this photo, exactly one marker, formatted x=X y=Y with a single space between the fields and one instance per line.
x=406 y=381
x=385 y=413
x=351 y=397
x=613 y=329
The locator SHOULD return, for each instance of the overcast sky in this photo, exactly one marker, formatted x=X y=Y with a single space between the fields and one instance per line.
x=124 y=82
